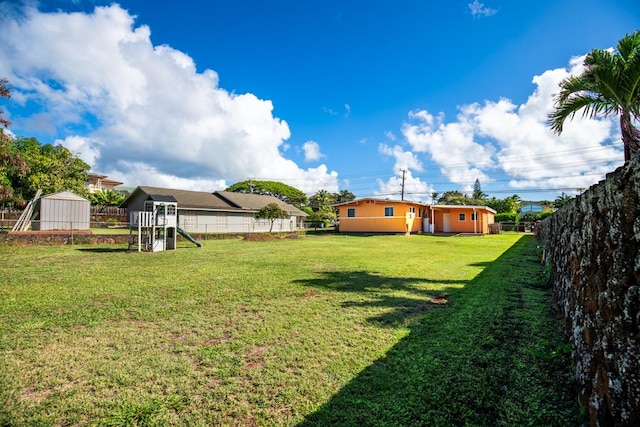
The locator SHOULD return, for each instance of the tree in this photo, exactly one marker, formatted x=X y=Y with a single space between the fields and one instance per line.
x=453 y=198
x=26 y=166
x=53 y=168
x=561 y=200
x=12 y=166
x=344 y=196
x=321 y=200
x=105 y=198
x=284 y=192
x=610 y=84
x=509 y=204
x=478 y=194
x=272 y=211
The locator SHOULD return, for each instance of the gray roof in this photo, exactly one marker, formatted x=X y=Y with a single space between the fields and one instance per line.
x=218 y=201
x=186 y=199
x=64 y=195
x=255 y=202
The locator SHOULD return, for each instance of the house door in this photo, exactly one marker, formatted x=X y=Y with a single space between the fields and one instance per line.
x=446 y=222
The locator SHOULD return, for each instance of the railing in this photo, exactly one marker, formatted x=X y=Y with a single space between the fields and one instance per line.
x=108 y=211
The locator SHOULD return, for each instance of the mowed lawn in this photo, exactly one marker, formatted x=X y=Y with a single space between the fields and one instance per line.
x=316 y=330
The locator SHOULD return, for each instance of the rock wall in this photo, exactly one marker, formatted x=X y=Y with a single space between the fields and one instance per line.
x=593 y=246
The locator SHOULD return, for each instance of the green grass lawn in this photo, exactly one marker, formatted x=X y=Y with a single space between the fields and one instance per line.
x=320 y=330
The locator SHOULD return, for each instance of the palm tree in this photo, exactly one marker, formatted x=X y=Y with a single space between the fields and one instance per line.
x=321 y=200
x=610 y=84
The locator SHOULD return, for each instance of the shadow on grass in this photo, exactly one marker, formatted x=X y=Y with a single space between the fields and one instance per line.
x=469 y=364
x=102 y=250
x=376 y=289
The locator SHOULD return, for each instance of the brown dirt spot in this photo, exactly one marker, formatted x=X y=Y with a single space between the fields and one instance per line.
x=440 y=300
x=309 y=294
x=254 y=357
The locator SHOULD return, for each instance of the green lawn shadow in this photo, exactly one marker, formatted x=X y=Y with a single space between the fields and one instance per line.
x=376 y=287
x=457 y=366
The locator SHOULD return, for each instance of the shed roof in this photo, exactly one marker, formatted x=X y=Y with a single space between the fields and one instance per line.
x=65 y=195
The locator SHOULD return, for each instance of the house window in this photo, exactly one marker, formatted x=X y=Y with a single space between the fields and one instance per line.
x=388 y=211
x=351 y=212
x=412 y=209
x=474 y=216
x=171 y=209
x=462 y=217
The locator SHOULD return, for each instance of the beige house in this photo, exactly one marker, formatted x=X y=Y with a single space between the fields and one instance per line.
x=97 y=182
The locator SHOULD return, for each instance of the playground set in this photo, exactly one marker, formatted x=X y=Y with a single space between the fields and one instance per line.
x=157 y=226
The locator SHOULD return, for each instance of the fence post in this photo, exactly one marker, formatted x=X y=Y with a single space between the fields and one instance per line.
x=71 y=222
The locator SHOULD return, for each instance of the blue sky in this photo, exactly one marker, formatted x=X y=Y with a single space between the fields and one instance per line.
x=321 y=95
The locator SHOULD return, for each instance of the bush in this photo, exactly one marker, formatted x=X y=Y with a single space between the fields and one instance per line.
x=543 y=215
x=507 y=217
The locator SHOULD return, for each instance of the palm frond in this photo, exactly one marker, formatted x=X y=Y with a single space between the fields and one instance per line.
x=569 y=108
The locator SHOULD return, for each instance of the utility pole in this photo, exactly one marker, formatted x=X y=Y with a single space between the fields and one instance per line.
x=404 y=171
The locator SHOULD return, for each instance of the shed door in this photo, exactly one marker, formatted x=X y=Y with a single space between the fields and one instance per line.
x=446 y=222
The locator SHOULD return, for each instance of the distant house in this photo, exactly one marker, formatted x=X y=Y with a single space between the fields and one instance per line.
x=218 y=212
x=97 y=182
x=371 y=215
x=532 y=208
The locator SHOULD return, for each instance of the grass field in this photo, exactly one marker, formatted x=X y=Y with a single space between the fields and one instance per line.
x=318 y=330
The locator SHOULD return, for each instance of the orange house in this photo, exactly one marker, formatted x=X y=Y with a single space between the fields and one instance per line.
x=394 y=216
x=461 y=219
x=381 y=216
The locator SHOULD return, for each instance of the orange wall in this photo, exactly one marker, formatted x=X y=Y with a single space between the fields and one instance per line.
x=370 y=217
x=467 y=226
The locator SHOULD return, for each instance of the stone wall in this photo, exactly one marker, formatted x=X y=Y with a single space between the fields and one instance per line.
x=593 y=246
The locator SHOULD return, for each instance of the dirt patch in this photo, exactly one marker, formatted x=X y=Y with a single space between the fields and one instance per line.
x=309 y=294
x=440 y=300
x=254 y=357
x=260 y=237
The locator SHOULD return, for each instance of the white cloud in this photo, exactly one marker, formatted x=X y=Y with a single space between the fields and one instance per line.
x=497 y=138
x=146 y=106
x=332 y=112
x=414 y=188
x=452 y=146
x=404 y=159
x=311 y=151
x=86 y=149
x=479 y=9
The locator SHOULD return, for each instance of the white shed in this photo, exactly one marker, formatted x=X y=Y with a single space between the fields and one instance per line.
x=62 y=211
